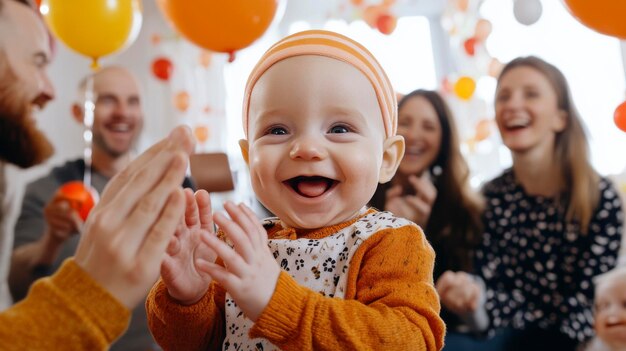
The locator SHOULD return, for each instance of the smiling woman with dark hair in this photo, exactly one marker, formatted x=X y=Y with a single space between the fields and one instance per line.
x=431 y=187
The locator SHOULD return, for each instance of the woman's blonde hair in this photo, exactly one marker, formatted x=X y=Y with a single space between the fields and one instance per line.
x=571 y=147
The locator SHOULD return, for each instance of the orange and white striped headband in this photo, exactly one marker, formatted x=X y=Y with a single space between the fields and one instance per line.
x=336 y=46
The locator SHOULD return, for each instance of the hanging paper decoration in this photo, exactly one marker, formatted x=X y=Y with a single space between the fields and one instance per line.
x=155 y=39
x=483 y=129
x=201 y=133
x=162 y=68
x=380 y=17
x=468 y=35
x=205 y=58
x=371 y=14
x=482 y=30
x=464 y=88
x=470 y=46
x=386 y=23
x=495 y=67
x=181 y=101
x=620 y=116
x=446 y=86
x=461 y=5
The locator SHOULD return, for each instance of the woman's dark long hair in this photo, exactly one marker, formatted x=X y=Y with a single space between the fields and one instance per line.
x=454 y=227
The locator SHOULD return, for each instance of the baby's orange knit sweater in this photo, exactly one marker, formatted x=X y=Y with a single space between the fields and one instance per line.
x=390 y=303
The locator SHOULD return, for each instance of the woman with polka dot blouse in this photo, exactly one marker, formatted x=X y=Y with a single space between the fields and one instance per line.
x=551 y=222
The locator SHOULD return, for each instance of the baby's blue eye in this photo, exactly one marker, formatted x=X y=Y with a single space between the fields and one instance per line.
x=278 y=131
x=338 y=129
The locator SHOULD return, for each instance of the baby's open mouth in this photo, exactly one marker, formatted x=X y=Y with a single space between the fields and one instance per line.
x=311 y=186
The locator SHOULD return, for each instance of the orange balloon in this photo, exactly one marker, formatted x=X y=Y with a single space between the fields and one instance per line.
x=201 y=133
x=620 y=116
x=464 y=88
x=220 y=25
x=181 y=101
x=81 y=198
x=604 y=16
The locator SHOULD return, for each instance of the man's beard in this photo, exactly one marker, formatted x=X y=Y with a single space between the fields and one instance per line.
x=21 y=142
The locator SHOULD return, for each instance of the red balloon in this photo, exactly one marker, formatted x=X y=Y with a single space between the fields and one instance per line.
x=620 y=116
x=80 y=197
x=162 y=68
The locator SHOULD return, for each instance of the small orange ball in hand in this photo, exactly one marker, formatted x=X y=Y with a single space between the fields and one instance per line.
x=80 y=197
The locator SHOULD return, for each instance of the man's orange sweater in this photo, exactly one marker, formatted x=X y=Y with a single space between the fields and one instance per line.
x=67 y=311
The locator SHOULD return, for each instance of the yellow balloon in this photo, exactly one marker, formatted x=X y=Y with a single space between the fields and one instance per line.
x=464 y=88
x=94 y=28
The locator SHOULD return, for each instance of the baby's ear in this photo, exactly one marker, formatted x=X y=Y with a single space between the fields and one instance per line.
x=393 y=151
x=243 y=145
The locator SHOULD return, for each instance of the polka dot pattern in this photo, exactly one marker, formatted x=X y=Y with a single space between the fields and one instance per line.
x=538 y=268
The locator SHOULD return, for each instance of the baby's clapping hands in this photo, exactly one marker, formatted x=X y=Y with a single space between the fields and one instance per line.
x=249 y=272
x=185 y=282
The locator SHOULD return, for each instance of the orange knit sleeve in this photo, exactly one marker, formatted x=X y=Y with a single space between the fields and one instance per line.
x=200 y=326
x=390 y=303
x=67 y=311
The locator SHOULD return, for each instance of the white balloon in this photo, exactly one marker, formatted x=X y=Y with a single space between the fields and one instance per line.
x=527 y=12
